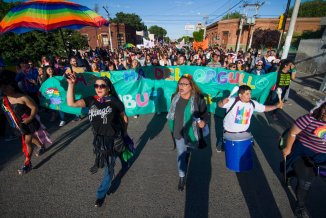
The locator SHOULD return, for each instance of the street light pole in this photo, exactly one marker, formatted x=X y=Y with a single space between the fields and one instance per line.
x=291 y=29
x=109 y=28
x=286 y=14
x=240 y=33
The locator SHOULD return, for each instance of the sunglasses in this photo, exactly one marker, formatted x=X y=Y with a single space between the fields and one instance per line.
x=258 y=65
x=101 y=86
x=183 y=84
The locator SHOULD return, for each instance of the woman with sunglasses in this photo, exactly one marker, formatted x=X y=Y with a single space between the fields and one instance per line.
x=187 y=117
x=109 y=122
x=259 y=69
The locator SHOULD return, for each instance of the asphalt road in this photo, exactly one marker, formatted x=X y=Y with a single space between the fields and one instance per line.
x=60 y=185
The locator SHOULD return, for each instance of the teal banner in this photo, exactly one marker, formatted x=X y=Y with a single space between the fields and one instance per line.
x=149 y=89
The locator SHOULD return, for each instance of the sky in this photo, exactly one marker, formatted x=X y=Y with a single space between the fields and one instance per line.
x=173 y=15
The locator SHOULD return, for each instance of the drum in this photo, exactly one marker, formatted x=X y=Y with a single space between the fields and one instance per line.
x=238 y=154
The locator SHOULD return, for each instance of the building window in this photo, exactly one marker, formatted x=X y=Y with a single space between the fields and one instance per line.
x=105 y=40
x=121 y=39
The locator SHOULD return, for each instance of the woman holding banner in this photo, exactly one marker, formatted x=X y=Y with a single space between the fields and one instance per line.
x=187 y=117
x=109 y=125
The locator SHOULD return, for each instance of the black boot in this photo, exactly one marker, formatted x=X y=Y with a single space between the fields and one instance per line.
x=300 y=211
x=181 y=184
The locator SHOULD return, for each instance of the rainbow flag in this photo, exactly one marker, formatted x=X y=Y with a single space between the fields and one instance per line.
x=47 y=15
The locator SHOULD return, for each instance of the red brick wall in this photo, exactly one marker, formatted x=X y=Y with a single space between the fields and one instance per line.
x=95 y=40
x=215 y=31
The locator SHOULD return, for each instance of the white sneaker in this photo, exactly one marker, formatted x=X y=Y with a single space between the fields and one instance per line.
x=62 y=123
x=136 y=116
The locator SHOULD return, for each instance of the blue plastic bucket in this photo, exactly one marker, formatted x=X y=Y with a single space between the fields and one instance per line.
x=238 y=154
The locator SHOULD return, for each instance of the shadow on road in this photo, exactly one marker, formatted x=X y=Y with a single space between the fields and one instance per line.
x=302 y=102
x=198 y=180
x=257 y=192
x=154 y=127
x=63 y=141
x=272 y=154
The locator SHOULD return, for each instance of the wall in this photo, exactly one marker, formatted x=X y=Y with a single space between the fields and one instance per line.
x=215 y=31
x=96 y=35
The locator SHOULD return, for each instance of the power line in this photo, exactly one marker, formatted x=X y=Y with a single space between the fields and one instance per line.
x=227 y=11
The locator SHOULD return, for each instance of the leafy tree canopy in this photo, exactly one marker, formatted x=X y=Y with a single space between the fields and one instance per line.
x=314 y=8
x=265 y=38
x=158 y=31
x=33 y=45
x=233 y=15
x=186 y=38
x=198 y=35
x=130 y=19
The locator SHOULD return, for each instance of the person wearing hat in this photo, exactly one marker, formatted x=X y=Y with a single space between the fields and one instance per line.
x=259 y=68
x=109 y=124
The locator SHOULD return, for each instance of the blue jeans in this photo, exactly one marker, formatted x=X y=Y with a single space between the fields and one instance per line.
x=106 y=182
x=181 y=157
x=61 y=115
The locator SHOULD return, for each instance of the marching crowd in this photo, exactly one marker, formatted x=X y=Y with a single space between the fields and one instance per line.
x=187 y=116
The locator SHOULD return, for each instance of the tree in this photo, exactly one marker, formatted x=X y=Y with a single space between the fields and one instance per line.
x=34 y=44
x=198 y=35
x=265 y=38
x=158 y=31
x=132 y=20
x=233 y=15
x=186 y=38
x=167 y=39
x=314 y=8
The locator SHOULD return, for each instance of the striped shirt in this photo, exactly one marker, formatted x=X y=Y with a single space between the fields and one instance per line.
x=312 y=133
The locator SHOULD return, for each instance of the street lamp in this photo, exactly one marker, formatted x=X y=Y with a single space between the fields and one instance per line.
x=109 y=28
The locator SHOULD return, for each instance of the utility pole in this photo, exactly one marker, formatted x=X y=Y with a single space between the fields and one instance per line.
x=205 y=18
x=286 y=14
x=110 y=37
x=251 y=20
x=291 y=29
x=240 y=33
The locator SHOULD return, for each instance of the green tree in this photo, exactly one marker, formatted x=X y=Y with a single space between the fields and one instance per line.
x=34 y=44
x=158 y=31
x=314 y=8
x=130 y=19
x=186 y=38
x=265 y=38
x=167 y=39
x=198 y=35
x=233 y=15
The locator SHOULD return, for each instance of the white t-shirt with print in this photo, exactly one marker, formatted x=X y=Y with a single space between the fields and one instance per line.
x=238 y=119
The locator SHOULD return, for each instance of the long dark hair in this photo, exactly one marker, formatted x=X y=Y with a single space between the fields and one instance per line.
x=196 y=90
x=319 y=112
x=283 y=63
x=8 y=77
x=108 y=82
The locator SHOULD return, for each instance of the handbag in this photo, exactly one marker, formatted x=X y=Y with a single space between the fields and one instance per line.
x=119 y=144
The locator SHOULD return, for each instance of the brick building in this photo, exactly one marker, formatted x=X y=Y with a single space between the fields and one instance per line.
x=99 y=37
x=225 y=32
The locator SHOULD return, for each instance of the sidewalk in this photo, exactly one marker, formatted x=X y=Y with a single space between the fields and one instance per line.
x=303 y=96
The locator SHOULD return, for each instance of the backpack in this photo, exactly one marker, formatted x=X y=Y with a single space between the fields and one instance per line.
x=236 y=100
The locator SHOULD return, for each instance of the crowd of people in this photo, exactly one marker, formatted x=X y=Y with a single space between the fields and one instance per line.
x=187 y=116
